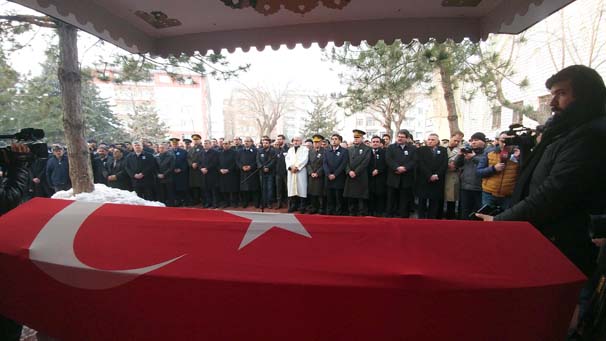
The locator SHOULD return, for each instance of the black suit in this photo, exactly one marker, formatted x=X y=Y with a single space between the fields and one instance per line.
x=209 y=160
x=377 y=183
x=165 y=191
x=400 y=186
x=431 y=162
x=335 y=161
x=144 y=163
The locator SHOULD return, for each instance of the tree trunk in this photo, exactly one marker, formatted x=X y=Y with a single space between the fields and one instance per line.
x=453 y=117
x=80 y=169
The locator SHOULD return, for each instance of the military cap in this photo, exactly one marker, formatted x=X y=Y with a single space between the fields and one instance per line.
x=358 y=133
x=196 y=136
x=187 y=140
x=317 y=138
x=174 y=139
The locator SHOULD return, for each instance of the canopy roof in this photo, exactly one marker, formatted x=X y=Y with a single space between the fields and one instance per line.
x=176 y=26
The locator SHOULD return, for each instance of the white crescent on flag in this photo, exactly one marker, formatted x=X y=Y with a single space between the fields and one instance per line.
x=53 y=252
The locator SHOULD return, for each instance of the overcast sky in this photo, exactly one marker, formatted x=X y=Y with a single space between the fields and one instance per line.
x=302 y=69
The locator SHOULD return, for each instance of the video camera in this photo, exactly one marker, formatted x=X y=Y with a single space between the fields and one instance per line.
x=31 y=137
x=519 y=135
x=466 y=149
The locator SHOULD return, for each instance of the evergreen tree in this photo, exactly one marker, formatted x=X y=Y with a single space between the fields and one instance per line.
x=380 y=80
x=144 y=123
x=450 y=59
x=321 y=119
x=9 y=79
x=40 y=105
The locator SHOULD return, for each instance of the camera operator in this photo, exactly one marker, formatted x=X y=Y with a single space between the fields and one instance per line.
x=13 y=188
x=561 y=181
x=499 y=172
x=467 y=161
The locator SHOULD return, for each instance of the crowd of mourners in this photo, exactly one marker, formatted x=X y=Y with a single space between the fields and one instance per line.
x=449 y=178
x=551 y=178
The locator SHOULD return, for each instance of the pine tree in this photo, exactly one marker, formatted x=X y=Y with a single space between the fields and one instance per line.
x=144 y=123
x=321 y=119
x=8 y=97
x=381 y=80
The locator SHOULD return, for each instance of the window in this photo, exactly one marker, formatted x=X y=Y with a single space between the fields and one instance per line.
x=496 y=117
x=370 y=121
x=517 y=112
x=359 y=122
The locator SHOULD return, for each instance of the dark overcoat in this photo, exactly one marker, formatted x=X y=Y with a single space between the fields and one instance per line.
x=397 y=156
x=37 y=169
x=143 y=163
x=315 y=164
x=166 y=165
x=377 y=183
x=248 y=182
x=359 y=158
x=266 y=158
x=429 y=163
x=229 y=182
x=209 y=159
x=280 y=168
x=181 y=179
x=195 y=176
x=118 y=168
x=335 y=161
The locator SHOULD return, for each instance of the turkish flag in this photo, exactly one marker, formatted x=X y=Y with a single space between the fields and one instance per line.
x=80 y=271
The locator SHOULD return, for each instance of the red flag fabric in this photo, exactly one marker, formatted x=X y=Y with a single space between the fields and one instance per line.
x=149 y=273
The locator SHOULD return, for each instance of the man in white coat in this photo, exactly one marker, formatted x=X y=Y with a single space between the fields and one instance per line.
x=296 y=160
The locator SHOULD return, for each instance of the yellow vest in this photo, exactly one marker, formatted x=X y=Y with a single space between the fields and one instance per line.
x=500 y=184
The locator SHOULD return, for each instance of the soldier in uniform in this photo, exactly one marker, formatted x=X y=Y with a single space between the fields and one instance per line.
x=356 y=180
x=296 y=160
x=377 y=178
x=229 y=177
x=249 y=182
x=187 y=143
x=208 y=163
x=142 y=168
x=335 y=160
x=432 y=162
x=180 y=178
x=195 y=176
x=165 y=190
x=266 y=162
x=315 y=175
x=400 y=159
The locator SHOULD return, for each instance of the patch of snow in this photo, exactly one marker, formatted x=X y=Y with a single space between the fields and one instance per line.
x=105 y=194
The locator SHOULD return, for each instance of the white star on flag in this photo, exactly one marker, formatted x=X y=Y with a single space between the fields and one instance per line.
x=263 y=222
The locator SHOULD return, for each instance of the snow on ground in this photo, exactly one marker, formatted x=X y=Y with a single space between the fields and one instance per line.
x=106 y=194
